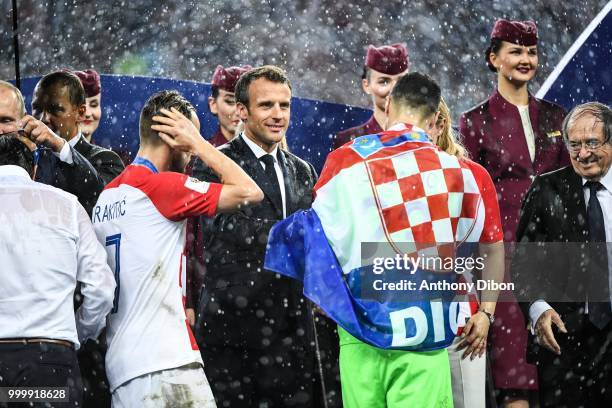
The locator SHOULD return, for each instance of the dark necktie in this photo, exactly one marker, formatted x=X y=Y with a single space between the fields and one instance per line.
x=600 y=313
x=272 y=179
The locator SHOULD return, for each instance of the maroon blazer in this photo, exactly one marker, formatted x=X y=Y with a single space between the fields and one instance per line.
x=218 y=139
x=493 y=135
x=369 y=128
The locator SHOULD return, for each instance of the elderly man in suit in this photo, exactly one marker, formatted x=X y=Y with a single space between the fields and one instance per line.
x=256 y=328
x=566 y=294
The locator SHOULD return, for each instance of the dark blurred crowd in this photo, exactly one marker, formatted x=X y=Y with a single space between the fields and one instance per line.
x=320 y=43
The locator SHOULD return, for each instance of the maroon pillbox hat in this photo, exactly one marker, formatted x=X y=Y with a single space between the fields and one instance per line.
x=517 y=32
x=226 y=78
x=90 y=80
x=388 y=59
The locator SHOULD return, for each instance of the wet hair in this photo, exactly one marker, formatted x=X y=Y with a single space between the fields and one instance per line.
x=367 y=73
x=269 y=72
x=602 y=112
x=447 y=140
x=17 y=93
x=214 y=94
x=76 y=92
x=214 y=91
x=494 y=48
x=161 y=100
x=418 y=92
x=14 y=151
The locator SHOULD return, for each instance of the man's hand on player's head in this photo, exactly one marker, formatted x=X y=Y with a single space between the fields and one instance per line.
x=177 y=130
x=39 y=133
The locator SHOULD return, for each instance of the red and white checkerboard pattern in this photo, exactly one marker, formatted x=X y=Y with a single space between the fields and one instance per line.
x=425 y=197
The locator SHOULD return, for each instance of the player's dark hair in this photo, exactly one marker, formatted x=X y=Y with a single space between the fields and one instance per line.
x=14 y=151
x=161 y=100
x=269 y=72
x=418 y=92
x=76 y=92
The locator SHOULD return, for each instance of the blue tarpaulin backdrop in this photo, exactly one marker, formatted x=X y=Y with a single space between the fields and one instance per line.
x=313 y=123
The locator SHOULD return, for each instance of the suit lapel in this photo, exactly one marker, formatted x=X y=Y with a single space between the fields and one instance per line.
x=576 y=207
x=252 y=166
x=83 y=147
x=540 y=123
x=46 y=166
x=290 y=178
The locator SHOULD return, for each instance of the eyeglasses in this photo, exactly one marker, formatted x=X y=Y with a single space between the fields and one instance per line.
x=589 y=145
x=20 y=132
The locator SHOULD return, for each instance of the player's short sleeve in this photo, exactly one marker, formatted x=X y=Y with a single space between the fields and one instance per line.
x=178 y=196
x=492 y=231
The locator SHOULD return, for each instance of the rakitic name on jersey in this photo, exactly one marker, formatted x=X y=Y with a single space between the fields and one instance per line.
x=404 y=285
x=107 y=212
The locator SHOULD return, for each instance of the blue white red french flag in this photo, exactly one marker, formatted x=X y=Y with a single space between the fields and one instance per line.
x=395 y=188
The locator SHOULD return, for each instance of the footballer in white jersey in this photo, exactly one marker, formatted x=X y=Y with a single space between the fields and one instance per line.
x=140 y=217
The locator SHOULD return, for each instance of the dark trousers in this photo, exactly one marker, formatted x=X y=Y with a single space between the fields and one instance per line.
x=41 y=365
x=96 y=391
x=582 y=375
x=270 y=378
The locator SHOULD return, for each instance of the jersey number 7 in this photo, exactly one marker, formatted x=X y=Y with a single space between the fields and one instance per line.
x=115 y=240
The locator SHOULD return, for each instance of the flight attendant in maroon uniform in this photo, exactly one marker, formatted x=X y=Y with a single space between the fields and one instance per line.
x=383 y=65
x=515 y=136
x=222 y=102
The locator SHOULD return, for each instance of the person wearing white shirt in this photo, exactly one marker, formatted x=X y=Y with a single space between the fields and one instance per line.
x=47 y=246
x=566 y=294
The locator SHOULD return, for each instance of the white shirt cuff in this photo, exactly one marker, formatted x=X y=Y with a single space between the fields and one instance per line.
x=65 y=154
x=535 y=311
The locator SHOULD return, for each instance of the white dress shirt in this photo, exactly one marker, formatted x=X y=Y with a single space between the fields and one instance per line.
x=47 y=245
x=259 y=152
x=528 y=130
x=605 y=200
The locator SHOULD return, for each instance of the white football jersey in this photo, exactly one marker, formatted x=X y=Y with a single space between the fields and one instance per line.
x=140 y=218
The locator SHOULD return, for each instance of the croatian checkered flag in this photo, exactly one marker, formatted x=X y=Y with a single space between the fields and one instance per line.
x=395 y=188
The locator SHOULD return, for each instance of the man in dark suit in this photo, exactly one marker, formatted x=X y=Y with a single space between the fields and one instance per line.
x=59 y=100
x=565 y=289
x=59 y=164
x=255 y=327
